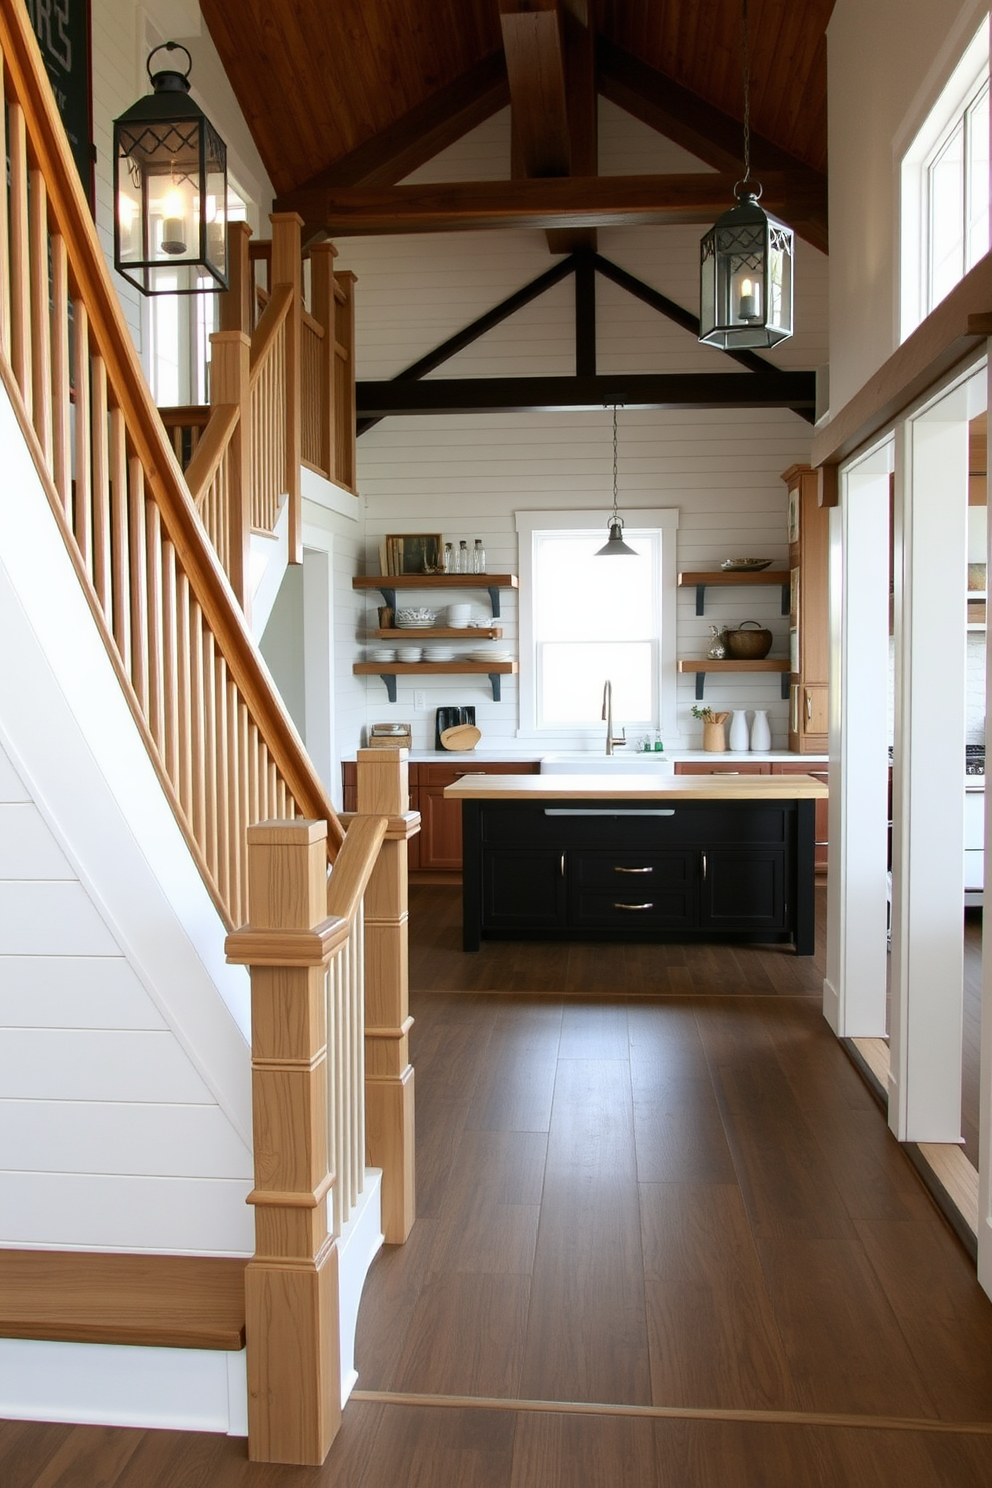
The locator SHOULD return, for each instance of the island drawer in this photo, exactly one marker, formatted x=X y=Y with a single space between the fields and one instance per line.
x=658 y=908
x=654 y=827
x=629 y=873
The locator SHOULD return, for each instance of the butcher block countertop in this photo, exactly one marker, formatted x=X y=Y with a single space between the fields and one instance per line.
x=636 y=788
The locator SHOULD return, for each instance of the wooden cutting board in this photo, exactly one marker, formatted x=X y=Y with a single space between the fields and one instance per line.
x=462 y=736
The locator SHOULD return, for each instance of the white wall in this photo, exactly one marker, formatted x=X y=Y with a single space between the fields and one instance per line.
x=887 y=60
x=465 y=476
x=125 y=1119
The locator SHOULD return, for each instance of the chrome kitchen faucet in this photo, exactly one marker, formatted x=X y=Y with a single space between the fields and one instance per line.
x=608 y=719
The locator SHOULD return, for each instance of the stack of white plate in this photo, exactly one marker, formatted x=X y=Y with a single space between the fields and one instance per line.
x=459 y=616
x=409 y=653
x=490 y=656
x=382 y=653
x=439 y=653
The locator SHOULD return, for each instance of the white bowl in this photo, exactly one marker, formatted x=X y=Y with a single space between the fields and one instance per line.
x=409 y=653
x=415 y=618
x=383 y=654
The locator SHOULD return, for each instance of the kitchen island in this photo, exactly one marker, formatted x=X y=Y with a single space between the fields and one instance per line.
x=672 y=858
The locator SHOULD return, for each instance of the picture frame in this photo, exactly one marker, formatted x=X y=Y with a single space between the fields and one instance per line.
x=793 y=514
x=414 y=553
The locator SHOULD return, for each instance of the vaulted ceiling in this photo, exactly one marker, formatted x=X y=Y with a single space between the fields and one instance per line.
x=345 y=98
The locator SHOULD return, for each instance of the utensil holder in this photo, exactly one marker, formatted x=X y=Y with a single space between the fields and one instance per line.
x=714 y=738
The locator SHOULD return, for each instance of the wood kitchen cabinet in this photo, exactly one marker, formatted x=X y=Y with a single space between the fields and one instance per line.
x=438 y=845
x=809 y=541
x=722 y=767
x=818 y=770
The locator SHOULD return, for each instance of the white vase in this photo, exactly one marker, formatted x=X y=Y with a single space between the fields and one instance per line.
x=738 y=736
x=761 y=734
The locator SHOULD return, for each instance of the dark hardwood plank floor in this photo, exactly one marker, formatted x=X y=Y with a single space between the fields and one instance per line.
x=665 y=1239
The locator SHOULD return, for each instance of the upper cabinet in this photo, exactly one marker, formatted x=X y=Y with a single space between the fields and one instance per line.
x=809 y=535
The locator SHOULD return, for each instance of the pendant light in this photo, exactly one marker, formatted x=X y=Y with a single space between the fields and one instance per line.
x=170 y=189
x=615 y=547
x=745 y=270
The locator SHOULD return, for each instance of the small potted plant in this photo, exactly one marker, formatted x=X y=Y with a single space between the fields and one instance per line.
x=714 y=737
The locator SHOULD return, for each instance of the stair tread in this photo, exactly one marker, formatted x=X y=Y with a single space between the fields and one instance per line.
x=103 y=1297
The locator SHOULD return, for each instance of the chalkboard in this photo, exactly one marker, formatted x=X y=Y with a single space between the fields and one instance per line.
x=63 y=31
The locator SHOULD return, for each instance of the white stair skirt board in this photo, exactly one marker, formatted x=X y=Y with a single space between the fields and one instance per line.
x=106 y=1384
x=101 y=1384
x=267 y=562
x=359 y=1244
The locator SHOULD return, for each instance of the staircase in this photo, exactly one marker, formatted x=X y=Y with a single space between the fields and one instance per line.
x=162 y=800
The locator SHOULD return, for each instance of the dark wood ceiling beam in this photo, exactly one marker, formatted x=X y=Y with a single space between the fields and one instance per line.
x=599 y=201
x=706 y=132
x=424 y=131
x=795 y=390
x=582 y=101
x=533 y=45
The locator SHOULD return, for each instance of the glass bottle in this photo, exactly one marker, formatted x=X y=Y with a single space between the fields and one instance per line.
x=478 y=557
x=449 y=558
x=463 y=563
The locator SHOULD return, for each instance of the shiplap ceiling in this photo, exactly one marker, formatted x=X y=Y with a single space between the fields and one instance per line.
x=350 y=95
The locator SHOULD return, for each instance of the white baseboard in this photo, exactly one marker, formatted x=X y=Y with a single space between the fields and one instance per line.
x=358 y=1246
x=105 y=1384
x=99 y=1384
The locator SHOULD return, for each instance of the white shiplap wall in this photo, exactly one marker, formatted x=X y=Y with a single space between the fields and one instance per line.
x=125 y=1107
x=111 y=1137
x=466 y=476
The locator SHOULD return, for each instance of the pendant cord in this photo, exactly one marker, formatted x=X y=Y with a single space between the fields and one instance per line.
x=746 y=68
x=615 y=512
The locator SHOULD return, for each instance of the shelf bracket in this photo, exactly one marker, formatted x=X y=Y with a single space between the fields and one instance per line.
x=785 y=687
x=494 y=600
x=496 y=679
x=700 y=605
x=388 y=598
x=786 y=598
x=390 y=680
x=700 y=683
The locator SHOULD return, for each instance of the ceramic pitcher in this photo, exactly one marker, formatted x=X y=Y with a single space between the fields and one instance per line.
x=738 y=737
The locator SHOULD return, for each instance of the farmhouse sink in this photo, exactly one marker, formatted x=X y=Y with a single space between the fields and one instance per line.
x=584 y=762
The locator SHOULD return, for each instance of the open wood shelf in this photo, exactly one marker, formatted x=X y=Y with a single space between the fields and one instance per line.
x=436 y=581
x=725 y=578
x=464 y=634
x=390 y=670
x=705 y=664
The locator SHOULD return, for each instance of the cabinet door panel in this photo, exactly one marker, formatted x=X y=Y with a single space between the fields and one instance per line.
x=814 y=709
x=523 y=888
x=440 y=830
x=727 y=767
x=743 y=891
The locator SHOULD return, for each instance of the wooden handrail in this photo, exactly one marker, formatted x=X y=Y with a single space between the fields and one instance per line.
x=211 y=449
x=273 y=316
x=140 y=453
x=354 y=865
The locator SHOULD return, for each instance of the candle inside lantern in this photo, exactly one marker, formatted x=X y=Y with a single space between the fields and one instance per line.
x=747 y=308
x=173 y=225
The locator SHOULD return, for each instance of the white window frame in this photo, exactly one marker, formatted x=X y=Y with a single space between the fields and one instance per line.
x=955 y=99
x=662 y=520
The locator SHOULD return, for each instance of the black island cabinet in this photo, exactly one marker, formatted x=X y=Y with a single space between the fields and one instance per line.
x=652 y=869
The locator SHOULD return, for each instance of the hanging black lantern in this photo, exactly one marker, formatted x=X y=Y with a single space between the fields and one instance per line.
x=745 y=261
x=170 y=189
x=745 y=277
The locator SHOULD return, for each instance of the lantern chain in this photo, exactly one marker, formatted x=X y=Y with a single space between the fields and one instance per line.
x=746 y=69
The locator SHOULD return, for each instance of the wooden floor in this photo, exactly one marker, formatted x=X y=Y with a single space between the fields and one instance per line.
x=665 y=1240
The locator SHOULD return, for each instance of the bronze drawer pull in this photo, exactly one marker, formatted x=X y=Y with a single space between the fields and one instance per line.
x=633 y=906
x=633 y=870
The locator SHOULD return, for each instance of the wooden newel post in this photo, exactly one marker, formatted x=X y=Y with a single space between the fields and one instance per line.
x=287 y=268
x=322 y=256
x=383 y=790
x=229 y=383
x=291 y=1285
x=235 y=304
